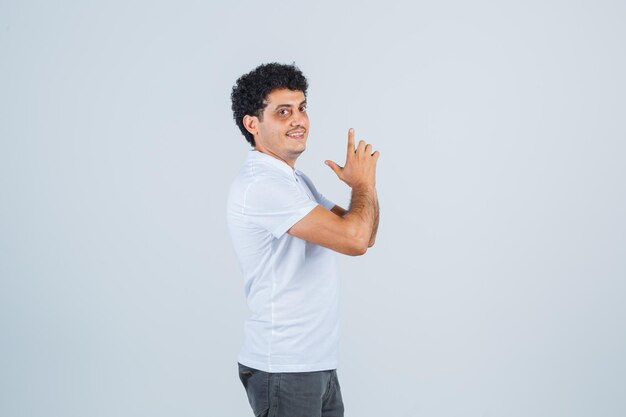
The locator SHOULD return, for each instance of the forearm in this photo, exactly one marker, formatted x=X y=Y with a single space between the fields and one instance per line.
x=375 y=228
x=363 y=213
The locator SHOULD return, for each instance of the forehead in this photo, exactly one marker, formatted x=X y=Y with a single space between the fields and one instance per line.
x=285 y=96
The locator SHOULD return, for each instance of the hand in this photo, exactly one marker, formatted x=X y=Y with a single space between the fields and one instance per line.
x=360 y=167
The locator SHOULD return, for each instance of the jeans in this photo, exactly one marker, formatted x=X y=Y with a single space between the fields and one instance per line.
x=292 y=394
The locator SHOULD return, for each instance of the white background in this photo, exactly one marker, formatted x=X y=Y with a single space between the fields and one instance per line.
x=497 y=284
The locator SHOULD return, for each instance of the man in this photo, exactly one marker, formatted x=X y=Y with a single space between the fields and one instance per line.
x=284 y=233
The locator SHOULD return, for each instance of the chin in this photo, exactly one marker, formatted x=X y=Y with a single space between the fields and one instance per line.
x=298 y=151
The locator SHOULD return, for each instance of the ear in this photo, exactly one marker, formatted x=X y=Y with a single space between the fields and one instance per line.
x=251 y=124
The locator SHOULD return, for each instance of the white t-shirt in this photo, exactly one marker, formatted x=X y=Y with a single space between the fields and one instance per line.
x=290 y=284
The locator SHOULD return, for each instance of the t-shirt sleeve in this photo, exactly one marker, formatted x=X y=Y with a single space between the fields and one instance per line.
x=323 y=201
x=276 y=204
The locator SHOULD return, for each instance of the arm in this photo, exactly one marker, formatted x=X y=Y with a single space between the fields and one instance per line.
x=375 y=229
x=340 y=211
x=349 y=232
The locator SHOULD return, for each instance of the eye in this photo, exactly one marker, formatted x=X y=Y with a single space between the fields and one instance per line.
x=303 y=109
x=283 y=112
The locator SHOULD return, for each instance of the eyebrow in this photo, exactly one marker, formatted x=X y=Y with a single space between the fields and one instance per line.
x=288 y=105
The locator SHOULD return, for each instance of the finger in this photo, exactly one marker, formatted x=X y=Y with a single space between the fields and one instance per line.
x=336 y=168
x=375 y=155
x=350 y=141
x=368 y=149
x=361 y=147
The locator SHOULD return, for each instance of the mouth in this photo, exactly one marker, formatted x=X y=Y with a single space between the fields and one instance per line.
x=296 y=134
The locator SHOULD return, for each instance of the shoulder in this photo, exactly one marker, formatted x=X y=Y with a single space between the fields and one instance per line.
x=255 y=172
x=266 y=190
x=259 y=182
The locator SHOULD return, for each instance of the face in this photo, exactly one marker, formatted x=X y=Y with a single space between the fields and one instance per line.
x=285 y=126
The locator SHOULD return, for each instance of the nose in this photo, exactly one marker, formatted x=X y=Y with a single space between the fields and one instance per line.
x=298 y=118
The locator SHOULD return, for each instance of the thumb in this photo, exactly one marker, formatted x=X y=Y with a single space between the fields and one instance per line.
x=336 y=168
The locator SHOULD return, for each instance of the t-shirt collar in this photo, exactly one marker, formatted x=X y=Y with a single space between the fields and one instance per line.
x=273 y=161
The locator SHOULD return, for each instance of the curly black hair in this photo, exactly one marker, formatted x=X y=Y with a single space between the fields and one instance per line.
x=251 y=90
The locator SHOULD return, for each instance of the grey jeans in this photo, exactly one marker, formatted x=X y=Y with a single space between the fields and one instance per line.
x=292 y=394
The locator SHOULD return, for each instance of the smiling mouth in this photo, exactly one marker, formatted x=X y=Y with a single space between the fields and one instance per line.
x=299 y=134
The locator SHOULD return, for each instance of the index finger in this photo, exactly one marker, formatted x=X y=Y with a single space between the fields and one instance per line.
x=350 y=141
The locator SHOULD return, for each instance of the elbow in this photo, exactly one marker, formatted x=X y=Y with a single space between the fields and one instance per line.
x=358 y=250
x=358 y=239
x=359 y=244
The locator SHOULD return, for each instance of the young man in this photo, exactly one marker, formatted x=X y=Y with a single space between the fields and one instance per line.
x=284 y=233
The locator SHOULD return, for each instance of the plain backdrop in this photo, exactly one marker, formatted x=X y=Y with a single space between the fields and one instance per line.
x=498 y=282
